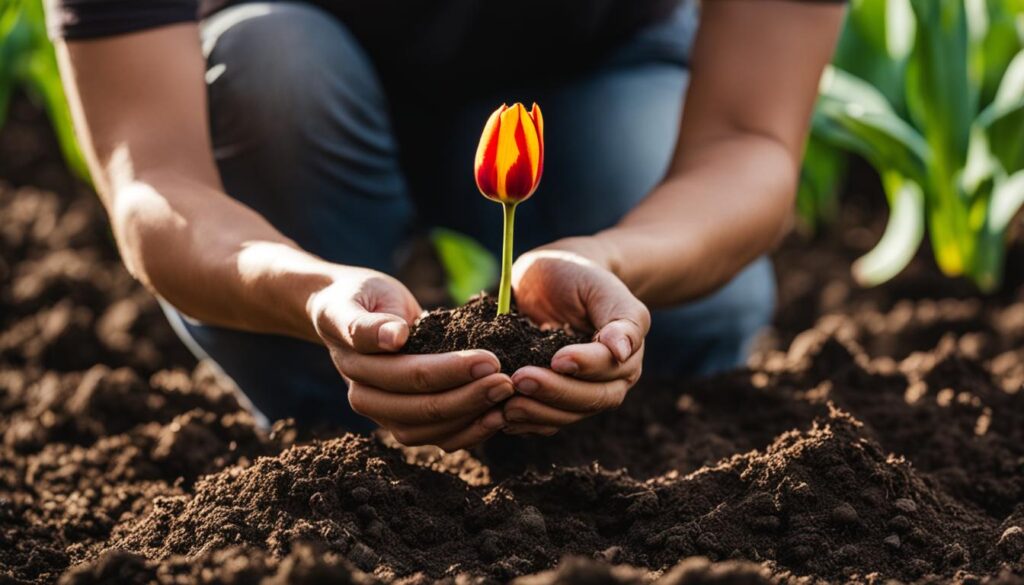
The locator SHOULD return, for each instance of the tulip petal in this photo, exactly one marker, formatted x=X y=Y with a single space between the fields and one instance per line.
x=485 y=166
x=538 y=122
x=508 y=151
x=519 y=182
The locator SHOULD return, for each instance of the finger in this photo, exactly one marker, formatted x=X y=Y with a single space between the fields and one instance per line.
x=438 y=407
x=520 y=409
x=530 y=429
x=432 y=434
x=589 y=361
x=623 y=337
x=478 y=432
x=419 y=373
x=376 y=332
x=568 y=393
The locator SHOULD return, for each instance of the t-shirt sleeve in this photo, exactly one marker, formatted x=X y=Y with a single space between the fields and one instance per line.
x=84 y=19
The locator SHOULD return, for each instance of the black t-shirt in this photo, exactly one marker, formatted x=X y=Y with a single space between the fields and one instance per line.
x=435 y=41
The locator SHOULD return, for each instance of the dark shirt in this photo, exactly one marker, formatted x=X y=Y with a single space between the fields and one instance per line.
x=428 y=42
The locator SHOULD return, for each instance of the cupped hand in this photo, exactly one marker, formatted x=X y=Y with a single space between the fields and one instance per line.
x=558 y=285
x=449 y=399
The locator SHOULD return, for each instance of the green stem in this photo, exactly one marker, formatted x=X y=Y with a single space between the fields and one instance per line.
x=505 y=285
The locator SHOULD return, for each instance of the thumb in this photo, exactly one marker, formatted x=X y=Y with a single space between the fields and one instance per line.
x=368 y=332
x=368 y=323
x=622 y=321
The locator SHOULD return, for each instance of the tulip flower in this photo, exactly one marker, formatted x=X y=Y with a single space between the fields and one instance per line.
x=508 y=166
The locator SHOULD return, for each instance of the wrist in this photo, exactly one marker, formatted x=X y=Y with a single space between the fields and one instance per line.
x=596 y=248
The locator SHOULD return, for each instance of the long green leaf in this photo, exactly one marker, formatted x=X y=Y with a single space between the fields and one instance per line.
x=903 y=233
x=854 y=115
x=1003 y=119
x=1006 y=202
x=942 y=100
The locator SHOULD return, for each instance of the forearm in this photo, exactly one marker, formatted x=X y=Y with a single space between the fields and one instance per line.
x=213 y=258
x=718 y=211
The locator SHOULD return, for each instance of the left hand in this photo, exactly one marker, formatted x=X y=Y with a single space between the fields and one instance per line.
x=559 y=284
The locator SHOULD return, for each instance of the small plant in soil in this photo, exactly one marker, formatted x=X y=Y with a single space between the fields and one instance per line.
x=508 y=167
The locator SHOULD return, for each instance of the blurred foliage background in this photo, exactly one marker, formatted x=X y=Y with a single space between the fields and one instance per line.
x=929 y=92
x=28 y=63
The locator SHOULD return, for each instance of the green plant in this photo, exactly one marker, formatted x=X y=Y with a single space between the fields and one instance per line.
x=469 y=268
x=28 y=62
x=950 y=151
x=874 y=44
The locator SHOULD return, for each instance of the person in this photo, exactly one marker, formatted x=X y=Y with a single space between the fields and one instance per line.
x=264 y=163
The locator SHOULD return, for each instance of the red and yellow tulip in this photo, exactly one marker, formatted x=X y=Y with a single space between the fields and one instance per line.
x=510 y=158
x=509 y=164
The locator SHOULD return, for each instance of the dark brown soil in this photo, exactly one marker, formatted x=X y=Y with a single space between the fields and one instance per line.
x=876 y=435
x=476 y=325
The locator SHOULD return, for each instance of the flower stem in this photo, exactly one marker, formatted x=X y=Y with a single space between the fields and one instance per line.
x=505 y=285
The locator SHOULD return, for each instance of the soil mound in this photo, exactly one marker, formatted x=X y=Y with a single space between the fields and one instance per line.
x=476 y=325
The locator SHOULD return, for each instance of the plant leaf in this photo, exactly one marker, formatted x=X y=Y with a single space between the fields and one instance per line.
x=854 y=115
x=942 y=99
x=1003 y=119
x=1006 y=201
x=903 y=233
x=468 y=266
x=823 y=168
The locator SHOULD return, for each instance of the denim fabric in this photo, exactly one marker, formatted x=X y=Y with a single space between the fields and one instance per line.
x=304 y=134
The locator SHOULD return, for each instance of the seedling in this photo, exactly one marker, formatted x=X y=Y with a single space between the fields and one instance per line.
x=509 y=163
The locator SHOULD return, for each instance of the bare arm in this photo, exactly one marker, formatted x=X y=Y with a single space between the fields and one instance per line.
x=139 y=103
x=729 y=193
x=726 y=201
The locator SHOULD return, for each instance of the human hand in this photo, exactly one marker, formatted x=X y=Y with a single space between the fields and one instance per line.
x=447 y=399
x=558 y=284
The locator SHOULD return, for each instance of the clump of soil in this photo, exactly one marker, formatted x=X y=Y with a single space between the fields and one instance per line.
x=476 y=325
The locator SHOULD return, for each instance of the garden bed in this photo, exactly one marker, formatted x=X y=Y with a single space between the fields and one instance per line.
x=878 y=434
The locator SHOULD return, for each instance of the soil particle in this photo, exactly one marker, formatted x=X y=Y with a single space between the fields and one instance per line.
x=513 y=338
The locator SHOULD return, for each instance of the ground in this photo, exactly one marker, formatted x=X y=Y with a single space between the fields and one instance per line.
x=877 y=434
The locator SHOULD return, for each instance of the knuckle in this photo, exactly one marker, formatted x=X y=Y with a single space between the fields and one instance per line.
x=432 y=409
x=420 y=378
x=634 y=376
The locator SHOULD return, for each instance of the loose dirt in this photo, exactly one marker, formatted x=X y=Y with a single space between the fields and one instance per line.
x=876 y=435
x=476 y=325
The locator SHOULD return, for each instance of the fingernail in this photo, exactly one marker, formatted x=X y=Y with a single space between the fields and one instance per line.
x=566 y=366
x=499 y=392
x=387 y=335
x=527 y=386
x=482 y=370
x=493 y=422
x=622 y=349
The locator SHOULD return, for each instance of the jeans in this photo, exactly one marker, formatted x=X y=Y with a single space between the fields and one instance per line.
x=305 y=134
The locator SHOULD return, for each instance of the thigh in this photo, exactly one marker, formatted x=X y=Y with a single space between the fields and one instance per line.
x=302 y=132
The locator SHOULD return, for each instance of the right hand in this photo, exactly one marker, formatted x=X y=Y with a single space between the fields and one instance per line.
x=449 y=399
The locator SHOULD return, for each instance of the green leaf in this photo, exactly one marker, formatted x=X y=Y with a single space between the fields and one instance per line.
x=1006 y=201
x=468 y=266
x=903 y=233
x=824 y=167
x=942 y=100
x=1003 y=119
x=874 y=44
x=854 y=115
